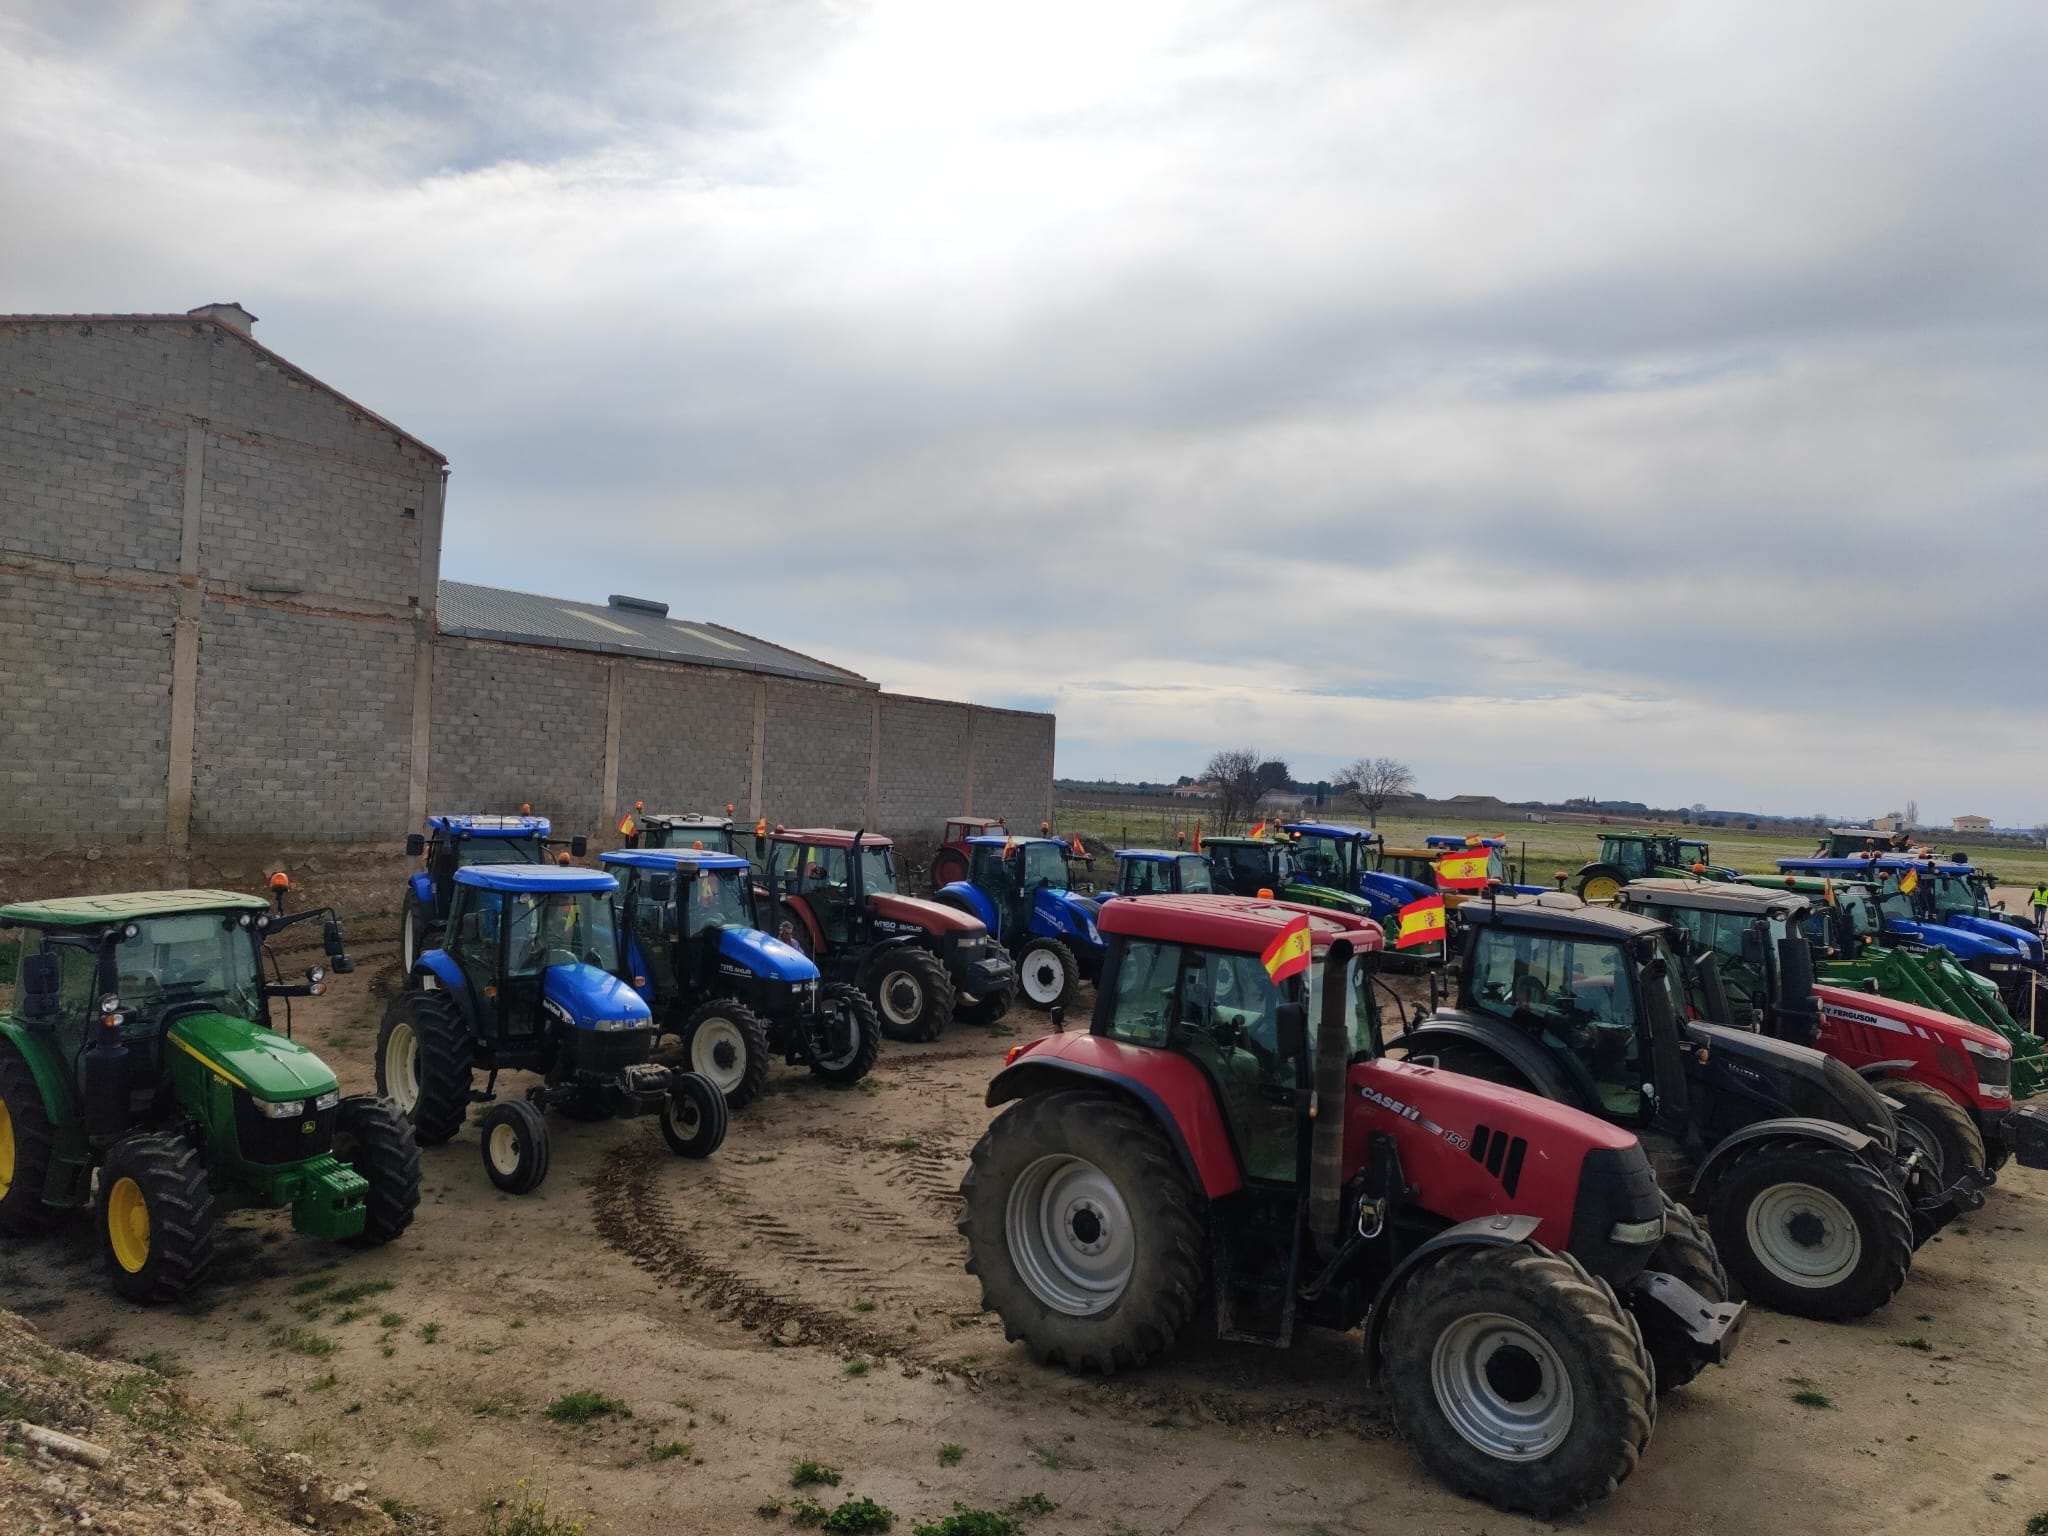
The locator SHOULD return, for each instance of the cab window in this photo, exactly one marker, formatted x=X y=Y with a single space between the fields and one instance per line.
x=1194 y=875
x=1229 y=1024
x=1045 y=864
x=1579 y=994
x=1146 y=978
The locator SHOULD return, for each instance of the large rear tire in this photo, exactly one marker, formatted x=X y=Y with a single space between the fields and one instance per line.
x=725 y=1042
x=1940 y=1127
x=27 y=1141
x=157 y=1221
x=990 y=1006
x=1048 y=975
x=1518 y=1379
x=423 y=1063
x=1810 y=1229
x=853 y=1035
x=372 y=1137
x=1089 y=1242
x=418 y=932
x=947 y=867
x=1687 y=1254
x=912 y=993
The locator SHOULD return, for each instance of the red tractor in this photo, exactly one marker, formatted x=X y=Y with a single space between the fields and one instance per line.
x=950 y=863
x=922 y=962
x=1515 y=1269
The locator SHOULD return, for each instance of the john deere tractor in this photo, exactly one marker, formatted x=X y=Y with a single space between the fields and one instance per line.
x=527 y=982
x=1626 y=856
x=458 y=842
x=1324 y=864
x=140 y=1075
x=728 y=996
x=1021 y=890
x=1522 y=1287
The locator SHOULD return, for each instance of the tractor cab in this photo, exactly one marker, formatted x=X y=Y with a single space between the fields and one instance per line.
x=451 y=843
x=677 y=907
x=1333 y=854
x=951 y=861
x=1021 y=890
x=691 y=831
x=1935 y=901
x=1861 y=842
x=1245 y=866
x=1626 y=856
x=1758 y=939
x=1161 y=872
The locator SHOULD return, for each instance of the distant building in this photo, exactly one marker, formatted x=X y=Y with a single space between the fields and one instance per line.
x=1282 y=800
x=1971 y=824
x=1891 y=821
x=1194 y=791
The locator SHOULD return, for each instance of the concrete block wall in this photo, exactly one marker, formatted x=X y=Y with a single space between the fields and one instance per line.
x=1013 y=755
x=817 y=744
x=517 y=725
x=924 y=762
x=686 y=738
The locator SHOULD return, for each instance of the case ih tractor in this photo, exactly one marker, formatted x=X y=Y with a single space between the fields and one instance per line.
x=140 y=1075
x=457 y=842
x=1949 y=1081
x=1200 y=1148
x=921 y=961
x=953 y=858
x=731 y=997
x=526 y=982
x=1626 y=856
x=1020 y=889
x=1795 y=1160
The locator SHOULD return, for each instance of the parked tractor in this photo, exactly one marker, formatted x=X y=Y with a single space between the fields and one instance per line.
x=1856 y=842
x=954 y=857
x=1160 y=872
x=1200 y=1147
x=726 y=997
x=1021 y=889
x=1245 y=866
x=140 y=1075
x=1794 y=1160
x=692 y=830
x=923 y=962
x=527 y=982
x=1626 y=856
x=1328 y=864
x=1948 y=1081
x=458 y=842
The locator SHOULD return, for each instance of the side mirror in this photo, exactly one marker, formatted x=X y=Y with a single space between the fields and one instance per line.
x=579 y=846
x=1753 y=951
x=415 y=845
x=661 y=888
x=1290 y=1031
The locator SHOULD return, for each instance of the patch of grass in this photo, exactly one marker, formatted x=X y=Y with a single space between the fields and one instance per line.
x=426 y=1436
x=312 y=1285
x=517 y=1322
x=950 y=1454
x=769 y=1509
x=1922 y=1345
x=856 y=1517
x=1806 y=1397
x=500 y=1405
x=969 y=1522
x=1030 y=1505
x=94 y=1343
x=865 y=1304
x=391 y=1320
x=137 y=1399
x=807 y=1512
x=906 y=1144
x=527 y=1514
x=164 y=1362
x=668 y=1450
x=326 y=1383
x=257 y=1315
x=303 y=1341
x=857 y=1366
x=2038 y=1526
x=586 y=1408
x=813 y=1474
x=428 y=1332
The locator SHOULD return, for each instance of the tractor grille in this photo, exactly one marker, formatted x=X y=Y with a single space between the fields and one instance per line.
x=605 y=1052
x=264 y=1140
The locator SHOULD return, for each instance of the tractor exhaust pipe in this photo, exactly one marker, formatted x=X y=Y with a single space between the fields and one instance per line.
x=1326 y=1147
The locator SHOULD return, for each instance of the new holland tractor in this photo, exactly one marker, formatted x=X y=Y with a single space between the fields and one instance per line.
x=140 y=1075
x=1325 y=864
x=695 y=831
x=1948 y=1081
x=726 y=997
x=1520 y=1281
x=458 y=842
x=1795 y=1161
x=526 y=981
x=1021 y=889
x=1626 y=856
x=923 y=962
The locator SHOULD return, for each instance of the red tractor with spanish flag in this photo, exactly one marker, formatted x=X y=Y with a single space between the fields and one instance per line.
x=1204 y=1146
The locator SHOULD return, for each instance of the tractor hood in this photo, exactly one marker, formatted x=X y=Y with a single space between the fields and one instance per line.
x=268 y=1065
x=931 y=916
x=1397 y=890
x=765 y=955
x=1898 y=1015
x=1792 y=1079
x=1327 y=897
x=590 y=996
x=1958 y=941
x=1999 y=931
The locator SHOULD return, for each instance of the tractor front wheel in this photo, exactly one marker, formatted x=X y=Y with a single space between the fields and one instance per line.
x=693 y=1117
x=1687 y=1254
x=1940 y=1128
x=990 y=1006
x=912 y=993
x=27 y=1140
x=156 y=1217
x=1600 y=882
x=1811 y=1229
x=515 y=1146
x=1049 y=974
x=1518 y=1379
x=726 y=1043
x=423 y=1063
x=1088 y=1240
x=372 y=1137
x=852 y=1033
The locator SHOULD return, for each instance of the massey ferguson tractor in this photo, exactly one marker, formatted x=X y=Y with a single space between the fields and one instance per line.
x=1511 y=1261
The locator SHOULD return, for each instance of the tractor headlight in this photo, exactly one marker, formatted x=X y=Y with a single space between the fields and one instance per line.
x=328 y=1099
x=1638 y=1233
x=282 y=1109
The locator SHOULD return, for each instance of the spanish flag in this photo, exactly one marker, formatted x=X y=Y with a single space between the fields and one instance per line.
x=627 y=827
x=1909 y=882
x=1198 y=837
x=1259 y=830
x=1462 y=871
x=1422 y=922
x=761 y=827
x=1009 y=845
x=1080 y=852
x=1289 y=953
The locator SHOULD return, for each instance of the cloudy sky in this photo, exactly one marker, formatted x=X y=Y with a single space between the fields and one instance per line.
x=1611 y=399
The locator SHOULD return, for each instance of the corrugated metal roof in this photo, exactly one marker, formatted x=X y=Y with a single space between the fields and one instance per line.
x=527 y=618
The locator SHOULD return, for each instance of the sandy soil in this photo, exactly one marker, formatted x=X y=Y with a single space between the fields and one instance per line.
x=801 y=1295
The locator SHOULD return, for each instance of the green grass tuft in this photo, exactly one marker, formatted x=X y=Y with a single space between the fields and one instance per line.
x=950 y=1454
x=1806 y=1397
x=302 y=1341
x=1920 y=1344
x=969 y=1522
x=813 y=1474
x=586 y=1408
x=527 y=1515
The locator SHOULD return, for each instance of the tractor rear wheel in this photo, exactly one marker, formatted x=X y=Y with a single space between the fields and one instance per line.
x=515 y=1146
x=853 y=1035
x=1811 y=1229
x=1686 y=1253
x=1524 y=1358
x=725 y=1042
x=1049 y=974
x=372 y=1137
x=423 y=1063
x=912 y=993
x=418 y=932
x=27 y=1139
x=990 y=1006
x=1600 y=882
x=156 y=1217
x=1088 y=1240
x=947 y=867
x=1940 y=1128
x=693 y=1117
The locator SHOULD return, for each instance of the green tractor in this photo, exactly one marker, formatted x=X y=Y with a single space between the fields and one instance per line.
x=139 y=1074
x=1248 y=866
x=1626 y=856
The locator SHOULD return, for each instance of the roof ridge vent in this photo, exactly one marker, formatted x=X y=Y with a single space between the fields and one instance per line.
x=638 y=605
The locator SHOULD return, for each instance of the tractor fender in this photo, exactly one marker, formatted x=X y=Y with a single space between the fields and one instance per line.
x=1787 y=1128
x=765 y=955
x=1062 y=915
x=970 y=898
x=1481 y=1232
x=445 y=974
x=1181 y=1101
x=70 y=1153
x=422 y=888
x=1873 y=1071
x=1539 y=1068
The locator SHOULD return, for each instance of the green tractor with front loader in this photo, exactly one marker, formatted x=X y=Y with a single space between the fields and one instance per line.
x=140 y=1075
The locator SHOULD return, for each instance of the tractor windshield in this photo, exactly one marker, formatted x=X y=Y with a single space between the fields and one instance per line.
x=720 y=898
x=1576 y=990
x=1957 y=893
x=187 y=958
x=1324 y=860
x=1194 y=874
x=1690 y=854
x=1363 y=1019
x=559 y=928
x=877 y=872
x=499 y=850
x=1045 y=864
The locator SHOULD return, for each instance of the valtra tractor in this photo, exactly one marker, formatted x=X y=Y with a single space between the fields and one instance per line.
x=1626 y=856
x=951 y=861
x=1795 y=1161
x=729 y=997
x=527 y=982
x=140 y=1075
x=1202 y=1146
x=923 y=962
x=459 y=842
x=1021 y=889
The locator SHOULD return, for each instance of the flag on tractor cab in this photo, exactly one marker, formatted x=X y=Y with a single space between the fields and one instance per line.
x=1198 y=837
x=1080 y=852
x=1009 y=846
x=1258 y=830
x=1462 y=871
x=1289 y=954
x=626 y=825
x=1827 y=891
x=1909 y=882
x=1422 y=922
x=761 y=827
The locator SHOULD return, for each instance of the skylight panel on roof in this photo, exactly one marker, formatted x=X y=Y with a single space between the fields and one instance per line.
x=591 y=618
x=708 y=638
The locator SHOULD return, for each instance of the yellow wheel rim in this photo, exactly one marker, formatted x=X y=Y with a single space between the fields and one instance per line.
x=1601 y=888
x=6 y=1150
x=128 y=1225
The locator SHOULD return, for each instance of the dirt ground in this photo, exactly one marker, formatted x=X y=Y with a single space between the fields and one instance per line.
x=800 y=1295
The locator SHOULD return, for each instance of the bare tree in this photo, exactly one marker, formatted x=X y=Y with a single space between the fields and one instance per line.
x=1377 y=781
x=1912 y=814
x=1235 y=773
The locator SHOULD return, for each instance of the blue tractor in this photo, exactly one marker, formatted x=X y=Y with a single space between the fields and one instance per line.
x=1159 y=872
x=526 y=981
x=1021 y=889
x=726 y=997
x=1341 y=857
x=458 y=842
